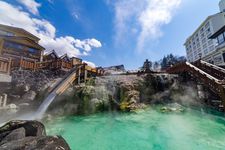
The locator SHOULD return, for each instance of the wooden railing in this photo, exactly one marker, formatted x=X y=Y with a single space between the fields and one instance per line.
x=33 y=65
x=5 y=65
x=213 y=70
x=216 y=85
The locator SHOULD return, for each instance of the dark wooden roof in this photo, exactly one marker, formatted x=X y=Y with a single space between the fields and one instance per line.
x=65 y=56
x=16 y=29
x=52 y=52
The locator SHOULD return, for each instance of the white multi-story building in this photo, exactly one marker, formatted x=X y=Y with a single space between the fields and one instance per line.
x=199 y=44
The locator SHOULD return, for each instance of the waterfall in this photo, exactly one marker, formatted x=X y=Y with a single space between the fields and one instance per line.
x=44 y=106
x=69 y=78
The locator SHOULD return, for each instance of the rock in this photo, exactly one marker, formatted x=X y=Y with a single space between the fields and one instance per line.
x=174 y=107
x=14 y=135
x=30 y=96
x=37 y=143
x=26 y=88
x=3 y=135
x=29 y=135
x=12 y=106
x=32 y=128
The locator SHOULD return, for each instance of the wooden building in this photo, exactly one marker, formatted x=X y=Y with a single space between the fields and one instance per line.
x=76 y=61
x=20 y=49
x=51 y=56
x=19 y=45
x=54 y=62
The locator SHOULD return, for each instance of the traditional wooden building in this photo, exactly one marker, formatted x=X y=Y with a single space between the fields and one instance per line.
x=76 y=61
x=18 y=44
x=51 y=56
x=52 y=61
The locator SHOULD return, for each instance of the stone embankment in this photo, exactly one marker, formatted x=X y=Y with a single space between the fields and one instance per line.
x=27 y=87
x=123 y=93
x=29 y=135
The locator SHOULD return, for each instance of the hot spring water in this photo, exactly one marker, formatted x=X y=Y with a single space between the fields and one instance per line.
x=145 y=130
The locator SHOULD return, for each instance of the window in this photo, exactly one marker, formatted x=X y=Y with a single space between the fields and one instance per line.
x=205 y=51
x=202 y=29
x=220 y=39
x=6 y=33
x=207 y=25
x=209 y=35
x=223 y=34
x=211 y=48
x=223 y=57
x=203 y=40
x=208 y=30
x=32 y=50
x=194 y=47
x=217 y=59
x=210 y=42
x=205 y=45
x=197 y=39
x=202 y=35
x=11 y=45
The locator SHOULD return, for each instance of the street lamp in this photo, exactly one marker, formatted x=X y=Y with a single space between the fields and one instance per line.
x=200 y=56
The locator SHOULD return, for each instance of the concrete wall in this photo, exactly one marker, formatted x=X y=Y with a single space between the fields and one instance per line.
x=218 y=21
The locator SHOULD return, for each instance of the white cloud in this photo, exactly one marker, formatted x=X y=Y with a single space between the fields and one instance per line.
x=75 y=15
x=12 y=15
x=143 y=19
x=31 y=5
x=90 y=63
x=87 y=44
x=51 y=1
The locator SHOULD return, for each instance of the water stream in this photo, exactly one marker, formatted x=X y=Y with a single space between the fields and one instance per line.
x=145 y=130
x=44 y=106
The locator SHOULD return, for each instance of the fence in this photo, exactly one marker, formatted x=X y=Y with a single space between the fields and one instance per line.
x=5 y=65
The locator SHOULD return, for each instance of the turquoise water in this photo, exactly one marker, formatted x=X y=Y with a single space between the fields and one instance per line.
x=145 y=130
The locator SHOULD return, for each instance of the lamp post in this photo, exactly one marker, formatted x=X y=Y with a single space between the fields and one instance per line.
x=200 y=56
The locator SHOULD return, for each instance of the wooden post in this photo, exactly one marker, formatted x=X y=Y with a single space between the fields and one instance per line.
x=222 y=95
x=85 y=74
x=1 y=46
x=35 y=63
x=9 y=66
x=79 y=72
x=4 y=100
x=0 y=101
x=21 y=62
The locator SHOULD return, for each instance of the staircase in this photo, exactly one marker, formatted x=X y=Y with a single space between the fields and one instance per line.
x=210 y=75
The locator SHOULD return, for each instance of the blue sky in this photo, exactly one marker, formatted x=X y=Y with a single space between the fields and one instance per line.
x=110 y=32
